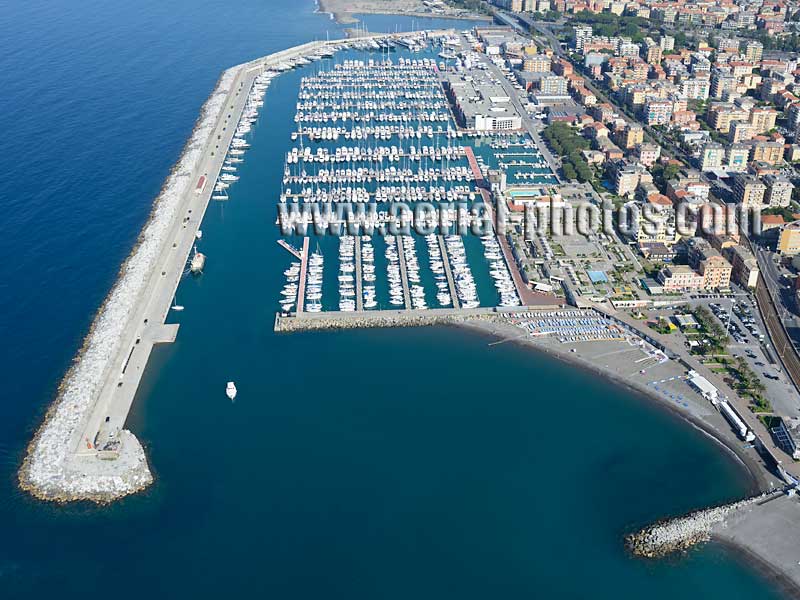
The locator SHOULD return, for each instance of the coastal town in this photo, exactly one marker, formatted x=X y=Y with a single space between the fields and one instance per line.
x=551 y=115
x=680 y=122
x=625 y=105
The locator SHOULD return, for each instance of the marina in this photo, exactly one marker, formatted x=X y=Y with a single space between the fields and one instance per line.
x=372 y=127
x=379 y=131
x=82 y=450
x=362 y=138
x=212 y=394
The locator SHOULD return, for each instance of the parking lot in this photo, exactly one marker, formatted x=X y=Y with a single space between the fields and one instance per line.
x=737 y=313
x=749 y=341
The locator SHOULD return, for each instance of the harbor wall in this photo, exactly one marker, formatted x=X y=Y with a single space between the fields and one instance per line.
x=50 y=469
x=392 y=318
x=58 y=466
x=45 y=472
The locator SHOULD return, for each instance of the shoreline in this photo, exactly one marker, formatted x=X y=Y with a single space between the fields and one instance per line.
x=784 y=583
x=347 y=17
x=757 y=481
x=96 y=345
x=758 y=555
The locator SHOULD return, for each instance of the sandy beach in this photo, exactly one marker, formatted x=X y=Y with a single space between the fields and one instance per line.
x=343 y=10
x=699 y=414
x=763 y=535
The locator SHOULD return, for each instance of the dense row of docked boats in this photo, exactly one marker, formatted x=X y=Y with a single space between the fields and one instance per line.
x=371 y=154
x=359 y=195
x=289 y=291
x=313 y=300
x=370 y=116
x=391 y=175
x=378 y=132
x=415 y=289
x=413 y=42
x=354 y=106
x=393 y=275
x=347 y=275
x=499 y=272
x=437 y=268
x=239 y=143
x=466 y=289
x=368 y=273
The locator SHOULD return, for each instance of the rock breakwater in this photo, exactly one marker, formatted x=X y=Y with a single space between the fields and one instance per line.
x=51 y=469
x=400 y=319
x=681 y=533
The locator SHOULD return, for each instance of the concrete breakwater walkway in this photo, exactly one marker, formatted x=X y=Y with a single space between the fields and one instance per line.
x=82 y=451
x=390 y=318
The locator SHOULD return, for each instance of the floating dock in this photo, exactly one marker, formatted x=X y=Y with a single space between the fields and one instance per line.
x=359 y=284
x=301 y=284
x=403 y=271
x=291 y=249
x=451 y=284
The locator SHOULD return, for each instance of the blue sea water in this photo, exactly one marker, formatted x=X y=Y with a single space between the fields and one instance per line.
x=370 y=464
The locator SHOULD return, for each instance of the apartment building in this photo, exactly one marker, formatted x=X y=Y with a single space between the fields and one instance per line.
x=647 y=154
x=712 y=156
x=748 y=190
x=744 y=266
x=657 y=111
x=708 y=262
x=766 y=152
x=657 y=225
x=627 y=176
x=677 y=279
x=629 y=135
x=789 y=239
x=721 y=114
x=741 y=131
x=737 y=157
x=536 y=63
x=753 y=50
x=779 y=190
x=763 y=119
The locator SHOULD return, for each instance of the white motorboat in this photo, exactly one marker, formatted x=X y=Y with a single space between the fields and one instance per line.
x=198 y=262
x=230 y=390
